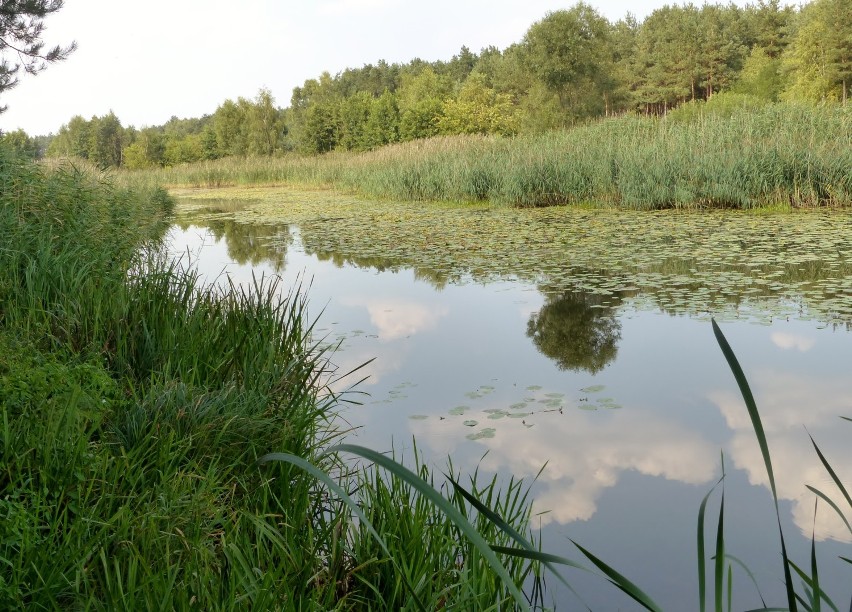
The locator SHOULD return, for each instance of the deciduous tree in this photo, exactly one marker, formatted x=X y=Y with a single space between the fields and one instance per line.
x=819 y=56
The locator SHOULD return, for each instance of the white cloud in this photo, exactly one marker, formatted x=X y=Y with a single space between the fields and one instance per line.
x=790 y=407
x=784 y=340
x=338 y=8
x=396 y=318
x=585 y=454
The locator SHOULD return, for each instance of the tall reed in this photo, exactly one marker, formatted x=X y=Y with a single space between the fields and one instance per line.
x=136 y=403
x=775 y=154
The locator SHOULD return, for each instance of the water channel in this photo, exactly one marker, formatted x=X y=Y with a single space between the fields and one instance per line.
x=577 y=345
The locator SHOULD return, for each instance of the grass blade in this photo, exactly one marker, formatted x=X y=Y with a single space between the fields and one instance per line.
x=751 y=577
x=814 y=567
x=831 y=503
x=757 y=424
x=537 y=555
x=338 y=490
x=831 y=472
x=730 y=587
x=445 y=506
x=633 y=591
x=813 y=587
x=546 y=559
x=702 y=578
x=720 y=556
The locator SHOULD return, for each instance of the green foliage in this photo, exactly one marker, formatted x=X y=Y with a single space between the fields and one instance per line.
x=382 y=125
x=320 y=133
x=136 y=403
x=99 y=140
x=21 y=29
x=686 y=53
x=21 y=143
x=571 y=66
x=579 y=331
x=72 y=139
x=819 y=56
x=569 y=52
x=732 y=151
x=726 y=105
x=106 y=139
x=478 y=109
x=146 y=151
x=180 y=151
x=761 y=76
x=421 y=104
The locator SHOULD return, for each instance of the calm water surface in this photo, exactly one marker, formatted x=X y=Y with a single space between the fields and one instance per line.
x=627 y=408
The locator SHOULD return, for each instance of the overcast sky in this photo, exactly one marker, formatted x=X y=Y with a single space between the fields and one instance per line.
x=148 y=61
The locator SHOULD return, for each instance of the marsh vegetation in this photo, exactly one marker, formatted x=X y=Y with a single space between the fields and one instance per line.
x=137 y=400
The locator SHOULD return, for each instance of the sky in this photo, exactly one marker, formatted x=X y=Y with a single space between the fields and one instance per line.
x=149 y=61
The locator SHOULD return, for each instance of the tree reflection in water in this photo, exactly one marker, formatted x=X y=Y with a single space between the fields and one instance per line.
x=254 y=243
x=578 y=330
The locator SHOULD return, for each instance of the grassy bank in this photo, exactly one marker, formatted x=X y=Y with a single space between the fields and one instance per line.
x=773 y=155
x=136 y=403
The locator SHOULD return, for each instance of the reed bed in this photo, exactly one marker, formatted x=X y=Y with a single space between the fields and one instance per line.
x=136 y=404
x=778 y=154
x=165 y=444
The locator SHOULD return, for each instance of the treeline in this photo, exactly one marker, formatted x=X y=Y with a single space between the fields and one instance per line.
x=571 y=66
x=244 y=127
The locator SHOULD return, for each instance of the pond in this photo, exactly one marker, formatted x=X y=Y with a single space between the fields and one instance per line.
x=576 y=345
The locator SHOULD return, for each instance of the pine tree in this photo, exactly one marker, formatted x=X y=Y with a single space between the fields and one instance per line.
x=21 y=30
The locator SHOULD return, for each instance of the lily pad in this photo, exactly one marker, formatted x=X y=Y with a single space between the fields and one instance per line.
x=487 y=432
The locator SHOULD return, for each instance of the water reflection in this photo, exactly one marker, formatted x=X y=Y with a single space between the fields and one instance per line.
x=249 y=243
x=437 y=278
x=585 y=453
x=794 y=405
x=396 y=318
x=464 y=354
x=578 y=330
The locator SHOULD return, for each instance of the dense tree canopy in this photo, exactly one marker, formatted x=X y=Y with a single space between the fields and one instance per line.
x=819 y=57
x=573 y=65
x=21 y=31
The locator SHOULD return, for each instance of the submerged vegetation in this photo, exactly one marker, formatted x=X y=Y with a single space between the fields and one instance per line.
x=714 y=155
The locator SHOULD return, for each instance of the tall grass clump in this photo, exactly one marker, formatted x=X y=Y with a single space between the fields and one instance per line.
x=728 y=152
x=137 y=402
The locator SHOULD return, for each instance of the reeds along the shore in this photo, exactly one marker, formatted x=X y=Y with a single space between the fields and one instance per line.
x=135 y=402
x=768 y=156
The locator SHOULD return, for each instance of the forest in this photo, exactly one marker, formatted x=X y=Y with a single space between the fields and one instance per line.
x=571 y=67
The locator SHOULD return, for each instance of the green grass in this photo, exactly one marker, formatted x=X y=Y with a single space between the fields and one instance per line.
x=136 y=404
x=166 y=444
x=775 y=155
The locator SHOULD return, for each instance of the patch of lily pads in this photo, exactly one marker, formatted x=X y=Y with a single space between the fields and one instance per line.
x=733 y=264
